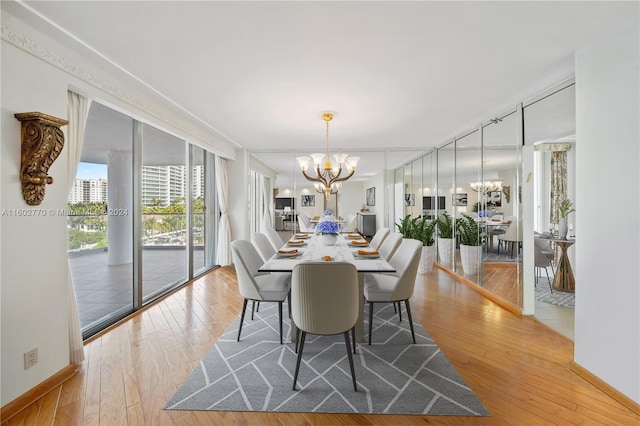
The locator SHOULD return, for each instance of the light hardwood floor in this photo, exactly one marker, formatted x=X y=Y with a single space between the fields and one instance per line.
x=516 y=366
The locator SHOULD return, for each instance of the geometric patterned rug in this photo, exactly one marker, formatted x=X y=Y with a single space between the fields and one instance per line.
x=560 y=298
x=393 y=375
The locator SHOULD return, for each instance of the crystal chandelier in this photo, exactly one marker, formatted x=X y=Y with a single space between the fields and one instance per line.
x=486 y=186
x=328 y=174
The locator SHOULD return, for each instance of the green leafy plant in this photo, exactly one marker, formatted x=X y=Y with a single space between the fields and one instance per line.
x=423 y=231
x=418 y=228
x=469 y=231
x=445 y=226
x=565 y=207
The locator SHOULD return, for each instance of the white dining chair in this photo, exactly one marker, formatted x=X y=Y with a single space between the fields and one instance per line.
x=305 y=224
x=541 y=261
x=254 y=285
x=513 y=236
x=324 y=301
x=397 y=287
x=264 y=246
x=276 y=241
x=350 y=224
x=378 y=238
x=390 y=245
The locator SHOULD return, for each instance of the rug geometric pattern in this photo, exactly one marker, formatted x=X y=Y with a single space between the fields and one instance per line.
x=394 y=376
x=560 y=298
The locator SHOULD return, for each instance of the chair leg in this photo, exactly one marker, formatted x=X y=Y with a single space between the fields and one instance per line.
x=353 y=336
x=370 y=321
x=244 y=309
x=395 y=311
x=253 y=308
x=353 y=372
x=548 y=279
x=258 y=307
x=289 y=303
x=399 y=310
x=413 y=334
x=303 y=335
x=280 y=316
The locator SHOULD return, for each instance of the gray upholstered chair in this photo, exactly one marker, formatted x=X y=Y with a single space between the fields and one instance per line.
x=541 y=261
x=324 y=301
x=390 y=245
x=397 y=287
x=254 y=285
x=274 y=237
x=378 y=238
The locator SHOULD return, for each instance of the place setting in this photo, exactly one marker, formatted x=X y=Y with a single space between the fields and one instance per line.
x=296 y=243
x=286 y=253
x=366 y=254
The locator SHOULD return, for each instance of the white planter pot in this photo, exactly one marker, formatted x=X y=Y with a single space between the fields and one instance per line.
x=328 y=239
x=563 y=229
x=427 y=257
x=471 y=256
x=445 y=251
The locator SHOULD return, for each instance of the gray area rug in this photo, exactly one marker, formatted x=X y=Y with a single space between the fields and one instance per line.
x=560 y=298
x=394 y=376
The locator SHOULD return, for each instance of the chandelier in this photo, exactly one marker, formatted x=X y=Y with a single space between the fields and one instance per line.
x=328 y=174
x=486 y=186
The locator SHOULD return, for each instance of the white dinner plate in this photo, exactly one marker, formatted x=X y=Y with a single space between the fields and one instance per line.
x=289 y=254
x=300 y=244
x=351 y=243
x=368 y=256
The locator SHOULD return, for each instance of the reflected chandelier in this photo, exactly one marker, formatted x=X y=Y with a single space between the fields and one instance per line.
x=486 y=186
x=327 y=174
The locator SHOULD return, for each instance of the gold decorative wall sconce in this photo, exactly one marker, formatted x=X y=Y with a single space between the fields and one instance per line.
x=41 y=143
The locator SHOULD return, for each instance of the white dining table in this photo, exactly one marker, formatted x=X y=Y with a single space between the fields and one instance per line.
x=342 y=251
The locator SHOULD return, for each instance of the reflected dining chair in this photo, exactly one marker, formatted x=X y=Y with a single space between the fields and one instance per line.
x=254 y=285
x=324 y=301
x=397 y=287
x=274 y=237
x=378 y=238
x=390 y=245
x=305 y=224
x=513 y=236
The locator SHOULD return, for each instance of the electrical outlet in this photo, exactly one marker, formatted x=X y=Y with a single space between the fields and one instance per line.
x=30 y=358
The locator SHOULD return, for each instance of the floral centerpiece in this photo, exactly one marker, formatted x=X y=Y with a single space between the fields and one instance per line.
x=328 y=229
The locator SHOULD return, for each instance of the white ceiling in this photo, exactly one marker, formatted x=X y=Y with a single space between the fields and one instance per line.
x=396 y=74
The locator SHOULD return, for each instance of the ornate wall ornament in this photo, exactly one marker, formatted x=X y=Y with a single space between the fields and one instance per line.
x=41 y=143
x=506 y=190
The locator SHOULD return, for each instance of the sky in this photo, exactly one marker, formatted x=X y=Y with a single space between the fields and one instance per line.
x=91 y=171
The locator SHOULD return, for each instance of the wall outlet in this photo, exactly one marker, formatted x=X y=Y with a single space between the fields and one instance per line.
x=30 y=358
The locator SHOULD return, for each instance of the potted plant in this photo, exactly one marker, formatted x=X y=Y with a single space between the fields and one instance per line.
x=565 y=207
x=444 y=224
x=419 y=229
x=471 y=239
x=328 y=229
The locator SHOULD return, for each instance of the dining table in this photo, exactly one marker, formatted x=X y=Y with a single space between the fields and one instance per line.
x=310 y=248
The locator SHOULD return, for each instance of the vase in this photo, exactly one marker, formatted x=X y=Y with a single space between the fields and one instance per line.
x=470 y=257
x=563 y=229
x=445 y=250
x=328 y=239
x=426 y=260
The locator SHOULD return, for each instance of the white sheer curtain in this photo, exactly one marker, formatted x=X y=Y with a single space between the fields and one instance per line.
x=267 y=215
x=77 y=113
x=223 y=252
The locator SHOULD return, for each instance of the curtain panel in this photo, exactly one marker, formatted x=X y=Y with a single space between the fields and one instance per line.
x=223 y=252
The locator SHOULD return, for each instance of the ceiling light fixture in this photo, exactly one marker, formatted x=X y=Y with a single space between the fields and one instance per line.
x=327 y=173
x=486 y=186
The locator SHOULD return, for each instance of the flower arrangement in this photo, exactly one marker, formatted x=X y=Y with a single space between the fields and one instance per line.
x=327 y=227
x=328 y=212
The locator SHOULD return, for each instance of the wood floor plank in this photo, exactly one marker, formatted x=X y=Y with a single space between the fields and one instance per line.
x=517 y=367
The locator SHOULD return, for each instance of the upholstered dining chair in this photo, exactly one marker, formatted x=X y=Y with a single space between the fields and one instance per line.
x=324 y=301
x=305 y=224
x=390 y=245
x=541 y=261
x=397 y=287
x=264 y=246
x=351 y=223
x=254 y=285
x=513 y=236
x=378 y=238
x=274 y=237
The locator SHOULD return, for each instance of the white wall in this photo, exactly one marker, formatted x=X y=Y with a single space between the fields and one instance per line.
x=607 y=316
x=33 y=266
